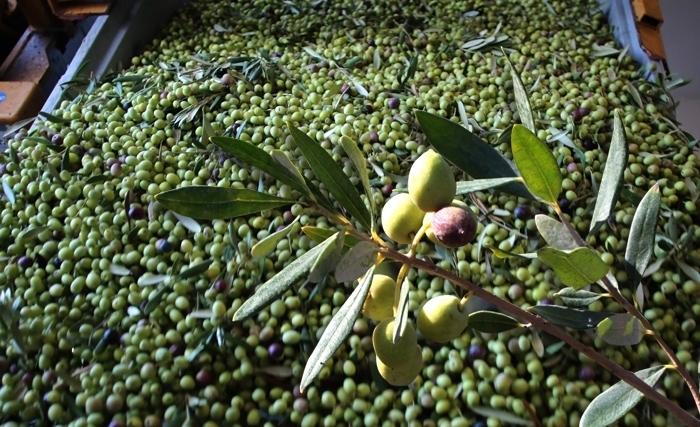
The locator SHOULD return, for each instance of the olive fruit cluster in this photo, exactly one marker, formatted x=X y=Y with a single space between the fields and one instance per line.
x=430 y=199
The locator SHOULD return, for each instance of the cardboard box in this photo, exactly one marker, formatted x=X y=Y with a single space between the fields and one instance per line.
x=79 y=9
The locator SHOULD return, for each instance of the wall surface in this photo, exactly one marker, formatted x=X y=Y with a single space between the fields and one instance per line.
x=682 y=43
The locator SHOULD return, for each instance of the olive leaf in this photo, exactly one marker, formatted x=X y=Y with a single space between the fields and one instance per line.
x=492 y=321
x=195 y=270
x=267 y=245
x=18 y=125
x=536 y=164
x=505 y=416
x=356 y=261
x=45 y=142
x=189 y=223
x=207 y=130
x=29 y=234
x=54 y=119
x=7 y=189
x=320 y=234
x=260 y=159
x=505 y=254
x=149 y=279
x=621 y=329
x=576 y=268
x=332 y=176
x=580 y=298
x=522 y=101
x=205 y=202
x=327 y=260
x=337 y=330
x=96 y=179
x=688 y=270
x=613 y=176
x=119 y=270
x=616 y=401
x=360 y=163
x=555 y=233
x=154 y=301
x=283 y=160
x=570 y=317
x=469 y=153
x=537 y=344
x=281 y=282
x=65 y=160
x=640 y=243
x=465 y=187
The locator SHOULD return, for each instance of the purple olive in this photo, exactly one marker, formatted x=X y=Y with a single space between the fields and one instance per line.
x=394 y=103
x=523 y=212
x=588 y=144
x=454 y=227
x=477 y=351
x=163 y=245
x=137 y=212
x=25 y=261
x=275 y=350
x=373 y=137
x=203 y=377
x=586 y=373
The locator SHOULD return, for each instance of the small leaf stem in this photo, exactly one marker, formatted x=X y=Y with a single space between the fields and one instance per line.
x=631 y=309
x=405 y=267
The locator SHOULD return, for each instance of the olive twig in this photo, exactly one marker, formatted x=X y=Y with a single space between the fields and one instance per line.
x=631 y=309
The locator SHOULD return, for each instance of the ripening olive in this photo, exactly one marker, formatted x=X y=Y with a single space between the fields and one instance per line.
x=431 y=182
x=442 y=318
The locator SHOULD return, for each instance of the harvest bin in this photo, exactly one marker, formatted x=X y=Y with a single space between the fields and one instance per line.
x=124 y=303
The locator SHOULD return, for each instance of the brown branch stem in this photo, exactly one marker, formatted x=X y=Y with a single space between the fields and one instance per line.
x=545 y=326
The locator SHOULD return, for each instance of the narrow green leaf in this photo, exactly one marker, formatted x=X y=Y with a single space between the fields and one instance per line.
x=570 y=317
x=282 y=159
x=54 y=119
x=504 y=254
x=207 y=130
x=7 y=189
x=469 y=153
x=621 y=329
x=555 y=233
x=580 y=298
x=96 y=179
x=610 y=405
x=267 y=245
x=30 y=233
x=327 y=260
x=492 y=321
x=465 y=187
x=576 y=268
x=613 y=176
x=360 y=163
x=536 y=164
x=402 y=312
x=205 y=202
x=18 y=125
x=65 y=160
x=195 y=270
x=640 y=243
x=281 y=282
x=332 y=176
x=356 y=261
x=522 y=101
x=13 y=155
x=258 y=158
x=505 y=416
x=537 y=344
x=337 y=330
x=44 y=141
x=154 y=301
x=132 y=78
x=320 y=234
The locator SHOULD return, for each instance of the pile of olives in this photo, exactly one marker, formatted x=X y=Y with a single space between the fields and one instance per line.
x=116 y=311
